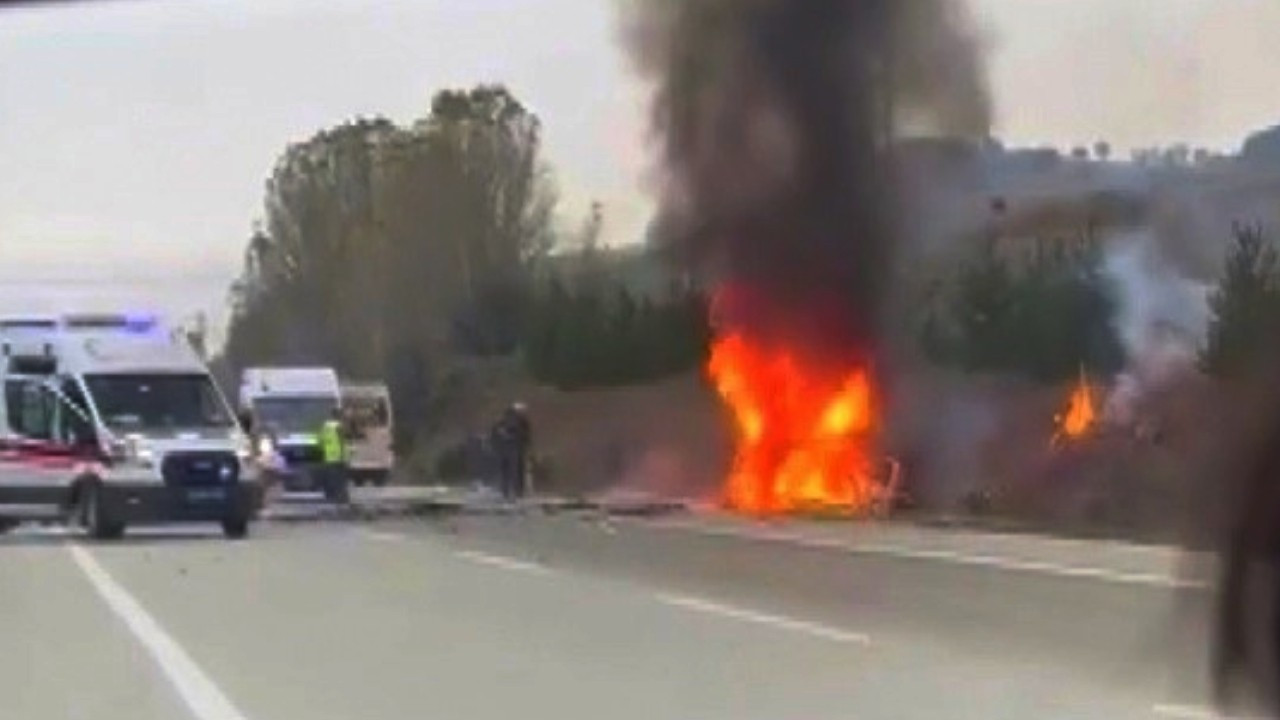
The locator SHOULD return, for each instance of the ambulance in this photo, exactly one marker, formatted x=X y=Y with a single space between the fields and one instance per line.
x=113 y=420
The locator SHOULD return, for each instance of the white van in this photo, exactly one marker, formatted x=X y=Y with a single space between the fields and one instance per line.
x=285 y=408
x=111 y=420
x=366 y=409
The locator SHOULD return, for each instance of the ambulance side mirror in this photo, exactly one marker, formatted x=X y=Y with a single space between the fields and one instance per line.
x=85 y=443
x=245 y=419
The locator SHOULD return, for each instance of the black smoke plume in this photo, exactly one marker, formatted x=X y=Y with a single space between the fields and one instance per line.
x=775 y=120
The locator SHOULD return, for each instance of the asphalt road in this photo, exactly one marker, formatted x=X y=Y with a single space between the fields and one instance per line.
x=568 y=617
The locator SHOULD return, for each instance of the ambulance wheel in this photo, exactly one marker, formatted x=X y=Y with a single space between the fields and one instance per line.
x=8 y=525
x=235 y=528
x=380 y=479
x=96 y=519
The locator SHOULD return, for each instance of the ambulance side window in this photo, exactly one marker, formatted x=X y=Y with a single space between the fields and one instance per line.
x=13 y=404
x=72 y=426
x=30 y=408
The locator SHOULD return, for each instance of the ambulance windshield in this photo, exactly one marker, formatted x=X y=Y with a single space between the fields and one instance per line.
x=158 y=402
x=293 y=414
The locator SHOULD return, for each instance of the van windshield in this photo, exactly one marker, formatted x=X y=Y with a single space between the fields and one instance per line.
x=158 y=402
x=293 y=414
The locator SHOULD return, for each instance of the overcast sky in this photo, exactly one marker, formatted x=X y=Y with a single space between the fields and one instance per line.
x=135 y=137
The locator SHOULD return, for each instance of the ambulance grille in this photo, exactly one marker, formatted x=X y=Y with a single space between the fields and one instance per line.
x=200 y=469
x=301 y=454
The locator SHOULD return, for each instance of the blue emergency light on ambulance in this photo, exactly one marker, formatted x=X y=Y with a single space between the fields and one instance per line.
x=140 y=323
x=131 y=323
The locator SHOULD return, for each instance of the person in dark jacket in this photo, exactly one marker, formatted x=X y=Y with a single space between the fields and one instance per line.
x=521 y=440
x=511 y=436
x=497 y=451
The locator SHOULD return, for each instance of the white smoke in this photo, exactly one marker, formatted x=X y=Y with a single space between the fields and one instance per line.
x=1161 y=319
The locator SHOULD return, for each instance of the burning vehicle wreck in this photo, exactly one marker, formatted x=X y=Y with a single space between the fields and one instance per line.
x=777 y=121
x=805 y=430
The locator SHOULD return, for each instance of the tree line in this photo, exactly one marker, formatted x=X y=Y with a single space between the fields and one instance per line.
x=1042 y=309
x=404 y=252
x=1049 y=310
x=580 y=340
x=1245 y=307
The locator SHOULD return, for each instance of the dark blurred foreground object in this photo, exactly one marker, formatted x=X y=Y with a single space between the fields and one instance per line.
x=1246 y=652
x=69 y=4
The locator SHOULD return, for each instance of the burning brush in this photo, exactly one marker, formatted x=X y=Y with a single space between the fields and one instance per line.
x=1080 y=417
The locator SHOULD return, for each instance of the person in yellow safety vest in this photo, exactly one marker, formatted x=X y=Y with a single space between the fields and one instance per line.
x=333 y=451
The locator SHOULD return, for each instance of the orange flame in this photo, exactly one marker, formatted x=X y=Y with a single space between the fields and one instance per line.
x=1080 y=416
x=803 y=434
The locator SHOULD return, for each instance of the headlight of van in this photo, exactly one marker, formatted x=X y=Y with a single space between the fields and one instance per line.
x=144 y=456
x=138 y=452
x=118 y=451
x=131 y=450
x=265 y=446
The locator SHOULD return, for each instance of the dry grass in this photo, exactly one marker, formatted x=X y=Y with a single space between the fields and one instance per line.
x=976 y=447
x=982 y=446
x=666 y=438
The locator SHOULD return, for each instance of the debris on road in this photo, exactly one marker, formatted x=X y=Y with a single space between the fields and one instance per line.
x=427 y=502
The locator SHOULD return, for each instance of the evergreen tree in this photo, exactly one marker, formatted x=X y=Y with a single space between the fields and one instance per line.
x=1245 y=307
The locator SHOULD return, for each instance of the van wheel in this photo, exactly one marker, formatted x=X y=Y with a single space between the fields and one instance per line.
x=96 y=519
x=380 y=480
x=8 y=525
x=235 y=528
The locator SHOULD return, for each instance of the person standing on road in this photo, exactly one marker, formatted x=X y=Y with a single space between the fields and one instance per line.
x=333 y=452
x=511 y=437
x=500 y=447
x=519 y=437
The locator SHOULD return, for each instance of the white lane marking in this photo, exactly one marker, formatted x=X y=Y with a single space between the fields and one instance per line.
x=505 y=563
x=55 y=532
x=1186 y=712
x=196 y=689
x=1195 y=712
x=62 y=532
x=801 y=626
x=1036 y=566
x=379 y=536
x=953 y=557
